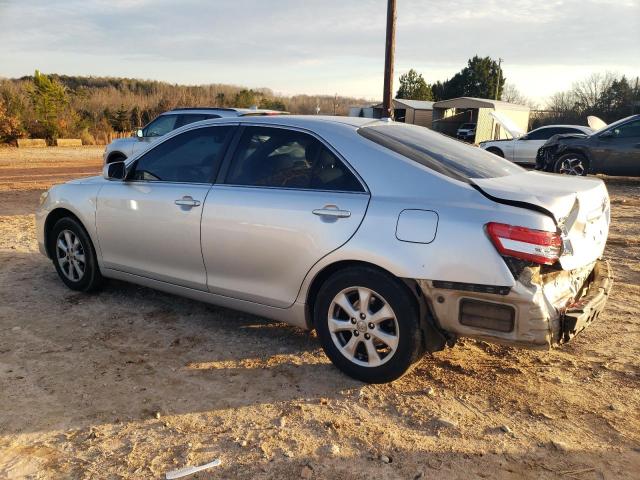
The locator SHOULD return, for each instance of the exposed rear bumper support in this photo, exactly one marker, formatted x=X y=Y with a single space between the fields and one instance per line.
x=579 y=315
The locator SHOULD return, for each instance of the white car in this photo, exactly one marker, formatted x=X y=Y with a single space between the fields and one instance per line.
x=123 y=148
x=524 y=148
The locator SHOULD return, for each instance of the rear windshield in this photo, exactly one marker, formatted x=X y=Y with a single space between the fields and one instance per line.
x=440 y=153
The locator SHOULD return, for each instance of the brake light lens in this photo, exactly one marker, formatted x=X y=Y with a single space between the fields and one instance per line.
x=534 y=245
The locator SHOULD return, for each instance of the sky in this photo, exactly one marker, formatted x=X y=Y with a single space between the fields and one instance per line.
x=319 y=46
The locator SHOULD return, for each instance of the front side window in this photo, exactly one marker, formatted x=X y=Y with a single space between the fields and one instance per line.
x=541 y=134
x=439 y=153
x=193 y=157
x=631 y=129
x=160 y=126
x=277 y=157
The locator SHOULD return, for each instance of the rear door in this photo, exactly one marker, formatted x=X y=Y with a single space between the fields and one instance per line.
x=286 y=200
x=619 y=151
x=149 y=225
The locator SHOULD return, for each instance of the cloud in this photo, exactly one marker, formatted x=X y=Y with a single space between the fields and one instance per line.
x=307 y=44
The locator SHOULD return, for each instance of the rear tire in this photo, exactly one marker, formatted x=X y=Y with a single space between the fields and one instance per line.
x=496 y=151
x=572 y=164
x=74 y=256
x=375 y=343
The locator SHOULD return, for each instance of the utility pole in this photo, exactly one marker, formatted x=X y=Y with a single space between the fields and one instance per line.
x=390 y=46
x=498 y=82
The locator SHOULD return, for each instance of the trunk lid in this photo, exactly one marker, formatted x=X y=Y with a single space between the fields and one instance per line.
x=580 y=207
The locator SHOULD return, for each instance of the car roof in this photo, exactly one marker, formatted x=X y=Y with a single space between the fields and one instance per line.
x=302 y=121
x=241 y=111
x=581 y=127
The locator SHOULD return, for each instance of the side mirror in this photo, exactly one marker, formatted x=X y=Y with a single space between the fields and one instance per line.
x=523 y=137
x=114 y=171
x=139 y=133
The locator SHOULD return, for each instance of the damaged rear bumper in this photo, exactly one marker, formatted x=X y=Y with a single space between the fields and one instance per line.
x=580 y=314
x=540 y=310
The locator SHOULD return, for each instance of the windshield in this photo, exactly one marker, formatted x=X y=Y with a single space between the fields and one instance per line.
x=614 y=124
x=468 y=125
x=440 y=153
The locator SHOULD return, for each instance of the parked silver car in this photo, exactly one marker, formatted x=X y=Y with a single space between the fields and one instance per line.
x=523 y=149
x=123 y=148
x=389 y=239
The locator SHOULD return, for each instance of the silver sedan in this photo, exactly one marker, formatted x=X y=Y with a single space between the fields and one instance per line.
x=389 y=239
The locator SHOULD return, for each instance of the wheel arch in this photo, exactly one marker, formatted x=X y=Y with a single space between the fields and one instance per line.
x=495 y=150
x=53 y=217
x=433 y=337
x=113 y=155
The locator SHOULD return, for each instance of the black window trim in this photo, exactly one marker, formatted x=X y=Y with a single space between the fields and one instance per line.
x=229 y=157
x=132 y=162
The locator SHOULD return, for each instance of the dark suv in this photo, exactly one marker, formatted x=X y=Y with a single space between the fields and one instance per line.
x=612 y=150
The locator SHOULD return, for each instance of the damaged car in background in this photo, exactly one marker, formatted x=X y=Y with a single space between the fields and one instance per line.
x=388 y=239
x=612 y=150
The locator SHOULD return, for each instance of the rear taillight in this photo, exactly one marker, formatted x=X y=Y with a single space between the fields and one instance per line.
x=535 y=245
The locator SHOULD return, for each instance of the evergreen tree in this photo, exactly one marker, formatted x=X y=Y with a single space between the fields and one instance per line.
x=477 y=79
x=413 y=87
x=50 y=102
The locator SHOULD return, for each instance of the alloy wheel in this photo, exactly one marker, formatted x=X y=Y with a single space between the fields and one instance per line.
x=363 y=326
x=70 y=255
x=572 y=166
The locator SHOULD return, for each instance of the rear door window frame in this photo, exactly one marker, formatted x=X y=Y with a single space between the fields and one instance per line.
x=231 y=154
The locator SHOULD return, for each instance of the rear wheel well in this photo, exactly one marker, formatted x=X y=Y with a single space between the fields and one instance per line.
x=329 y=270
x=433 y=337
x=52 y=219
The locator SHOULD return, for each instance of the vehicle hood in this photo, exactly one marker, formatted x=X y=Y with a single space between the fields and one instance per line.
x=125 y=145
x=565 y=138
x=87 y=180
x=509 y=125
x=580 y=207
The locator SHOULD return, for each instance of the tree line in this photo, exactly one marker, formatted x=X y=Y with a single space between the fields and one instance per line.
x=93 y=108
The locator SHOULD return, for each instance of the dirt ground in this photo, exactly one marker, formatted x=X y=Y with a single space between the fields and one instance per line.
x=132 y=383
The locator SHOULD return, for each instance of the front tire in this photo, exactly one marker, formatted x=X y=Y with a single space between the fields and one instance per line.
x=572 y=164
x=368 y=324
x=74 y=256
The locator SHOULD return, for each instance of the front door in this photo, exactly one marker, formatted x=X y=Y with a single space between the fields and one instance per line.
x=286 y=202
x=619 y=150
x=149 y=225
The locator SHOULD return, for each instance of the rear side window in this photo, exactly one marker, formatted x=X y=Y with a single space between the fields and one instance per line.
x=282 y=158
x=192 y=157
x=440 y=153
x=188 y=118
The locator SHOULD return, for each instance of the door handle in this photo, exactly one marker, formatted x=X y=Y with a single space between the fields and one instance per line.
x=332 y=211
x=187 y=201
